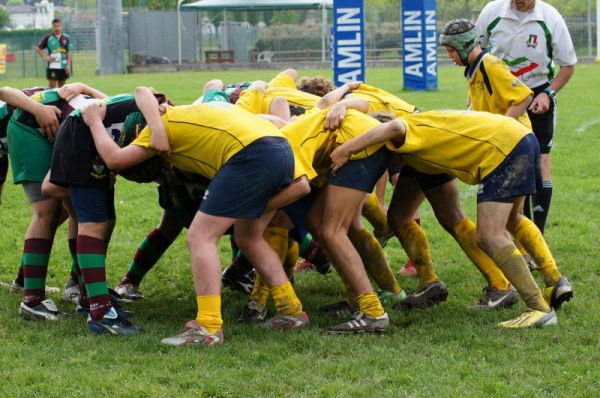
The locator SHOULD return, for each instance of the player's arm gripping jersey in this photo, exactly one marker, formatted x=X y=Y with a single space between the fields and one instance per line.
x=493 y=88
x=468 y=145
x=312 y=143
x=381 y=101
x=203 y=138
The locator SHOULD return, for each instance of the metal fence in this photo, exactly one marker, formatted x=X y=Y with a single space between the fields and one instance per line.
x=152 y=37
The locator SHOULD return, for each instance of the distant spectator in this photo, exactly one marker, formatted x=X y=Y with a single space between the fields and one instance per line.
x=59 y=54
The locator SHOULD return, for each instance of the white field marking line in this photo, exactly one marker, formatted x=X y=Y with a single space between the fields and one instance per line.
x=587 y=125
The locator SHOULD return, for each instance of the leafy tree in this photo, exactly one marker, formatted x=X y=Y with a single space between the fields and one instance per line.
x=4 y=18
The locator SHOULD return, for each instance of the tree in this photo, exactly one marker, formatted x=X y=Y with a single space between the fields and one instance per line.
x=4 y=18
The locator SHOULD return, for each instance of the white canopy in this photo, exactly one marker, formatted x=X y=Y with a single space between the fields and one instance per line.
x=249 y=5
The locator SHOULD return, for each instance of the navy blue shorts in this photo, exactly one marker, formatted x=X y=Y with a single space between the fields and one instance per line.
x=298 y=211
x=362 y=174
x=93 y=204
x=425 y=181
x=518 y=175
x=245 y=183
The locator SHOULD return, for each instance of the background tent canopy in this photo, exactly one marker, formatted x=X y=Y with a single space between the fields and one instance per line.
x=258 y=4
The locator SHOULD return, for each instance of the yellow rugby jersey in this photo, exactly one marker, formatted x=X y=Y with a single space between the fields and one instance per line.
x=468 y=145
x=282 y=80
x=493 y=88
x=257 y=102
x=203 y=137
x=381 y=101
x=312 y=143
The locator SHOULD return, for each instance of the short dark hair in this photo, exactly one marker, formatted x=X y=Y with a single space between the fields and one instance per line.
x=55 y=20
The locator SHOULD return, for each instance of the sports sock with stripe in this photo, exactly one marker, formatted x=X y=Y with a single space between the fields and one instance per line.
x=209 y=313
x=373 y=258
x=511 y=262
x=313 y=253
x=464 y=233
x=369 y=304
x=36 y=253
x=416 y=245
x=147 y=255
x=20 y=280
x=91 y=253
x=528 y=234
x=541 y=205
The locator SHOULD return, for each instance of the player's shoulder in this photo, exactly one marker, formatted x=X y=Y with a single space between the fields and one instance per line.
x=548 y=11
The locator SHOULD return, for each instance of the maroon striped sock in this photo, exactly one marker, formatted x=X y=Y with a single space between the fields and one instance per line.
x=91 y=255
x=147 y=255
x=36 y=253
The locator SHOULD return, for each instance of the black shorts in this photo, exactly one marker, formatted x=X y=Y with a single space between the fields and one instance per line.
x=362 y=174
x=75 y=160
x=425 y=181
x=543 y=125
x=56 y=74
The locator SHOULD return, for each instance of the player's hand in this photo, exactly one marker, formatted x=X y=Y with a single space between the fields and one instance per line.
x=68 y=70
x=93 y=113
x=47 y=117
x=159 y=140
x=162 y=108
x=70 y=91
x=540 y=104
x=339 y=157
x=353 y=85
x=335 y=117
x=48 y=58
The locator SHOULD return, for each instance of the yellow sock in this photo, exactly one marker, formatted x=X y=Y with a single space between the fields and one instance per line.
x=292 y=258
x=373 y=257
x=415 y=244
x=277 y=238
x=528 y=235
x=464 y=233
x=209 y=313
x=260 y=291
x=369 y=304
x=286 y=301
x=373 y=212
x=510 y=260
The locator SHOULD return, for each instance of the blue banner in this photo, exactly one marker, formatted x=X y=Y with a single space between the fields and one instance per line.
x=348 y=41
x=419 y=44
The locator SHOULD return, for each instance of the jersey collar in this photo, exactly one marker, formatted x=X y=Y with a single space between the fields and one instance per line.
x=534 y=15
x=470 y=69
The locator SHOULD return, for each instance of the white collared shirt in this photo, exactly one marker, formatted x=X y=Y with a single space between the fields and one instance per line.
x=529 y=46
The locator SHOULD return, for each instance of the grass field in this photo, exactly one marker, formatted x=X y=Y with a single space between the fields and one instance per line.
x=446 y=351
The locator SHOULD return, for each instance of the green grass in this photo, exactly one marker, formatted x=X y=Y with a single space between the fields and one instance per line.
x=442 y=352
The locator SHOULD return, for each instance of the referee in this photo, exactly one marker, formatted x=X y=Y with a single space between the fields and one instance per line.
x=530 y=36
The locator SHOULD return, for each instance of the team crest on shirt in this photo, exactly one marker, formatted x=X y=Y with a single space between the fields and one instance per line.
x=532 y=41
x=98 y=169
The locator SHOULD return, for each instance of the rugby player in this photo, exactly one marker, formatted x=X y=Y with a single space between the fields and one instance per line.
x=493 y=88
x=30 y=154
x=251 y=167
x=496 y=152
